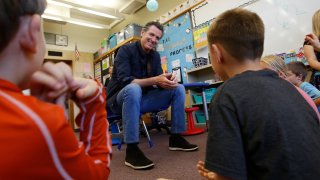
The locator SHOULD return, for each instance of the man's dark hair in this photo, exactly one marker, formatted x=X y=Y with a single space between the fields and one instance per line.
x=10 y=13
x=240 y=32
x=298 y=68
x=153 y=23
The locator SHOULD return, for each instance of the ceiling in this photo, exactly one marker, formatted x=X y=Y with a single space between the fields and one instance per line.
x=102 y=14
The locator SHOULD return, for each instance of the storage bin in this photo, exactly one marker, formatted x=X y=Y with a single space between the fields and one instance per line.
x=209 y=93
x=96 y=55
x=112 y=41
x=200 y=117
x=120 y=37
x=197 y=98
x=132 y=30
x=198 y=62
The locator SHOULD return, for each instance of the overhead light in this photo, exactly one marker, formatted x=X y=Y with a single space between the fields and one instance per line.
x=59 y=4
x=97 y=13
x=85 y=24
x=51 y=17
x=74 y=21
x=152 y=5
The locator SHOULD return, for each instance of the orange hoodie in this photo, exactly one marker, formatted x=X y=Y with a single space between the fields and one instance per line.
x=36 y=141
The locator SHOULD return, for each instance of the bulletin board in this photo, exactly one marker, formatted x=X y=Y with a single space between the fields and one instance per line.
x=286 y=21
x=176 y=46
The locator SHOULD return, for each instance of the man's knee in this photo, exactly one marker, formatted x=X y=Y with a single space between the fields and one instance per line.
x=133 y=90
x=180 y=89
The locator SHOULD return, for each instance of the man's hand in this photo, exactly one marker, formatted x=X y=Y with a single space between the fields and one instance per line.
x=313 y=41
x=166 y=81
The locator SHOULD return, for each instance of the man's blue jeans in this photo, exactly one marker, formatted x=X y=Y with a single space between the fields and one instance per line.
x=131 y=102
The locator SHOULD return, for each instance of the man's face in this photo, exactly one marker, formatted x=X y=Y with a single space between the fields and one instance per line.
x=150 y=38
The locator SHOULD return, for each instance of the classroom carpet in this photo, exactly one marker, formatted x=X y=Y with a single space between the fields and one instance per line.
x=173 y=165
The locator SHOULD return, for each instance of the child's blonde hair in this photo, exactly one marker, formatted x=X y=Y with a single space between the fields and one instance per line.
x=275 y=63
x=316 y=23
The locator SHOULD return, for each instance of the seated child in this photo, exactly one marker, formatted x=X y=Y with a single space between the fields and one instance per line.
x=36 y=139
x=277 y=64
x=274 y=63
x=296 y=74
x=260 y=127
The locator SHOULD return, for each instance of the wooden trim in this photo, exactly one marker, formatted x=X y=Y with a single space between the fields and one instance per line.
x=186 y=10
x=115 y=48
x=199 y=68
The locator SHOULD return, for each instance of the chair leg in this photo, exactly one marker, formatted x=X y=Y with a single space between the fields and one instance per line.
x=147 y=133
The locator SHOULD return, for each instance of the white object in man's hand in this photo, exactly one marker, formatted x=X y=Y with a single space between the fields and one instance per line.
x=165 y=81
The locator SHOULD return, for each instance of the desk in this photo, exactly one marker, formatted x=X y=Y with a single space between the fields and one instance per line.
x=200 y=87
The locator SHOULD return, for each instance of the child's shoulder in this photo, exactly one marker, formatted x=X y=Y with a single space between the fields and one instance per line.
x=307 y=85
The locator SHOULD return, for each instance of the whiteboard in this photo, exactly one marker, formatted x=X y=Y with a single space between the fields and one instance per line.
x=286 y=21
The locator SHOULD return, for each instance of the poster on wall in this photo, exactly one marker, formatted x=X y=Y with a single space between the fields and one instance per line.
x=176 y=45
x=200 y=36
x=97 y=71
x=105 y=63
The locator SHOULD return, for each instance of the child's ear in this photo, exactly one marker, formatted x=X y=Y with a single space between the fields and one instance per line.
x=217 y=51
x=30 y=33
x=282 y=75
x=299 y=77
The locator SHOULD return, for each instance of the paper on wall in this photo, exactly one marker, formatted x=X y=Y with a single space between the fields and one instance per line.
x=160 y=48
x=87 y=67
x=175 y=63
x=189 y=57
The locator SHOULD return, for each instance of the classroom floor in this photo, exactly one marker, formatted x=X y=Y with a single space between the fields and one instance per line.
x=173 y=165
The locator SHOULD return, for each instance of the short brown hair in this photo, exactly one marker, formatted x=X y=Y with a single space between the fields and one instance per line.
x=153 y=23
x=10 y=13
x=240 y=32
x=298 y=68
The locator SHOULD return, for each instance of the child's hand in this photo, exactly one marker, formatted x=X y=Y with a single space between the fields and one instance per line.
x=209 y=174
x=313 y=41
x=205 y=172
x=83 y=88
x=52 y=82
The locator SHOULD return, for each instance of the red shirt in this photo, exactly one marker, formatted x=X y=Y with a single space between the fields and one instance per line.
x=38 y=143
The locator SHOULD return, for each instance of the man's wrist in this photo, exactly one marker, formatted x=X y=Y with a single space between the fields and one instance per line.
x=317 y=47
x=155 y=81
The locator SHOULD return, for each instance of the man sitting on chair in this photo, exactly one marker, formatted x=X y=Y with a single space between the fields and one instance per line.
x=138 y=84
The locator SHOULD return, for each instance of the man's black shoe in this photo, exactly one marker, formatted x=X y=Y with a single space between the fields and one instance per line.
x=136 y=159
x=178 y=143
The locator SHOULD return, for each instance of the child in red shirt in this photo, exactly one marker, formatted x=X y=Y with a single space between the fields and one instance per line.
x=36 y=139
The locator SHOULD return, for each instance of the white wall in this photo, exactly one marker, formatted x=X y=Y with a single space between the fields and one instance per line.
x=286 y=21
x=87 y=39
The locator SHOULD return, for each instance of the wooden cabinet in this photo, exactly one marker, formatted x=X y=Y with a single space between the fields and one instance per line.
x=200 y=74
x=200 y=94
